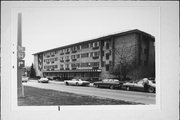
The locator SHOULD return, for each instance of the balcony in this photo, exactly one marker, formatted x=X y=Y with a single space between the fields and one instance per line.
x=74 y=59
x=67 y=52
x=95 y=67
x=67 y=69
x=95 y=57
x=61 y=60
x=74 y=51
x=61 y=53
x=73 y=68
x=67 y=60
x=95 y=48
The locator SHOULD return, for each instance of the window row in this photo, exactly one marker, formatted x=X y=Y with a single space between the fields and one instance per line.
x=50 y=54
x=51 y=60
x=83 y=55
x=79 y=47
x=51 y=67
x=76 y=65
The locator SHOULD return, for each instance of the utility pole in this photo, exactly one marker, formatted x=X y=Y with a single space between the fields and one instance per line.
x=20 y=57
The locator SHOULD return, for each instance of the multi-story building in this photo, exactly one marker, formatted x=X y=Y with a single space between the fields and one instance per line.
x=97 y=58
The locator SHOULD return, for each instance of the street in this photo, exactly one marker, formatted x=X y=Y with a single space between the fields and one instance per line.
x=132 y=96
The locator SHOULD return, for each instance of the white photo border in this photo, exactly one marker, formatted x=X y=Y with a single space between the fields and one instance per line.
x=125 y=111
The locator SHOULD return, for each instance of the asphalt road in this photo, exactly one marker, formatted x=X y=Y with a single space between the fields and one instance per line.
x=132 y=96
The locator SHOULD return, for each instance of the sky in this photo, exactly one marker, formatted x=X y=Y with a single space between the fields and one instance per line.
x=48 y=28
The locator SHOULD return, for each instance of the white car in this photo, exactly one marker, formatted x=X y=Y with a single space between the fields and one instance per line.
x=77 y=82
x=43 y=80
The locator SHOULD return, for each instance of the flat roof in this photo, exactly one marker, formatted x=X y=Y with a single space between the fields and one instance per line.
x=99 y=39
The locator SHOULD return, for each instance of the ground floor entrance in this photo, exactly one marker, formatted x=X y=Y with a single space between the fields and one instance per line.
x=91 y=75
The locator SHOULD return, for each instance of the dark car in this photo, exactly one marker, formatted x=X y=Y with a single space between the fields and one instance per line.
x=140 y=85
x=109 y=83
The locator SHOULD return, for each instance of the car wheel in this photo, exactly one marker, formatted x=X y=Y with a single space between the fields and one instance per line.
x=128 y=88
x=111 y=87
x=96 y=86
x=67 y=83
x=77 y=84
x=151 y=89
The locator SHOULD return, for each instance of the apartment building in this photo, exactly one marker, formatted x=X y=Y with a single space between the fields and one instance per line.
x=97 y=58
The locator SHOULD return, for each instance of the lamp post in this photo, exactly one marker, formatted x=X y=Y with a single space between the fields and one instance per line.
x=20 y=57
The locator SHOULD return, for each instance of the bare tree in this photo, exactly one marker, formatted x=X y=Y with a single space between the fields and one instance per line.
x=125 y=61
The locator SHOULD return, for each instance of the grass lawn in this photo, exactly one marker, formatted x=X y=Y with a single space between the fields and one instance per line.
x=41 y=97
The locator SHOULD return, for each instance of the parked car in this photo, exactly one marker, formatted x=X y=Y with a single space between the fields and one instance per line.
x=43 y=80
x=110 y=83
x=77 y=82
x=25 y=78
x=140 y=85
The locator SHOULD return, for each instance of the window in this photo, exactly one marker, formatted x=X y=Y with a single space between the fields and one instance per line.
x=67 y=65
x=84 y=64
x=102 y=43
x=84 y=55
x=145 y=51
x=66 y=57
x=61 y=52
x=107 y=45
x=96 y=44
x=78 y=47
x=61 y=66
x=78 y=55
x=102 y=53
x=73 y=65
x=91 y=44
x=73 y=56
x=61 y=58
x=107 y=56
x=103 y=63
x=107 y=67
x=85 y=45
x=91 y=54
x=77 y=64
x=96 y=53
x=94 y=64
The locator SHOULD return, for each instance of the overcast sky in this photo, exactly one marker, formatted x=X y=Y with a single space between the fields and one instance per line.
x=47 y=28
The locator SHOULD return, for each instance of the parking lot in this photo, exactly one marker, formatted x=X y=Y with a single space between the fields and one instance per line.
x=132 y=96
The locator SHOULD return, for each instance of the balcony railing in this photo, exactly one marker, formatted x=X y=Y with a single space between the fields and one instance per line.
x=95 y=48
x=61 y=53
x=73 y=68
x=61 y=68
x=74 y=51
x=74 y=59
x=67 y=60
x=67 y=52
x=67 y=69
x=95 y=67
x=61 y=60
x=95 y=57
